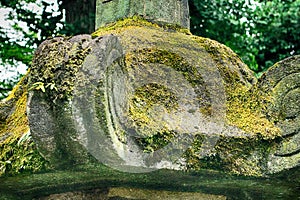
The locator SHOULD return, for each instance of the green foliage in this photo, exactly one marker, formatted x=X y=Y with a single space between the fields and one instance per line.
x=28 y=29
x=278 y=28
x=6 y=86
x=261 y=32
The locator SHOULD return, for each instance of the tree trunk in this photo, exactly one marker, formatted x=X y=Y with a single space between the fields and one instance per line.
x=80 y=15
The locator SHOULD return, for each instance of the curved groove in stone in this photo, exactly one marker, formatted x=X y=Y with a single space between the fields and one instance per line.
x=287 y=135
x=288 y=154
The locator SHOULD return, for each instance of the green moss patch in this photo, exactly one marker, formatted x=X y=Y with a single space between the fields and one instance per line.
x=149 y=95
x=146 y=97
x=18 y=153
x=156 y=141
x=55 y=66
x=243 y=156
x=245 y=110
x=137 y=21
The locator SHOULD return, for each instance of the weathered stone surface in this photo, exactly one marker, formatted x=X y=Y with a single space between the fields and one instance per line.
x=139 y=97
x=50 y=113
x=159 y=11
x=145 y=83
x=282 y=83
x=18 y=152
x=167 y=86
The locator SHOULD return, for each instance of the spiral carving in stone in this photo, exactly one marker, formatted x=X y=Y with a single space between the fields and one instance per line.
x=283 y=80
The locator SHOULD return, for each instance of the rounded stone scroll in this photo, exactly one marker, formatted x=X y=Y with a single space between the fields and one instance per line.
x=55 y=124
x=111 y=112
x=138 y=109
x=112 y=103
x=50 y=80
x=282 y=82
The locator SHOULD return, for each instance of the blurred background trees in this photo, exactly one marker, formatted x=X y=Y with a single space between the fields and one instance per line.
x=260 y=32
x=33 y=21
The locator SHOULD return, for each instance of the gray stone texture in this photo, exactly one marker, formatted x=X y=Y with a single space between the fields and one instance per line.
x=52 y=121
x=282 y=83
x=159 y=11
x=134 y=83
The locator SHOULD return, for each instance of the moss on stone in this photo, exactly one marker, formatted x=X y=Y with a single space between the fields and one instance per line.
x=156 y=141
x=238 y=155
x=55 y=65
x=244 y=110
x=146 y=97
x=137 y=21
x=149 y=95
x=58 y=60
x=18 y=152
x=150 y=44
x=244 y=156
x=245 y=102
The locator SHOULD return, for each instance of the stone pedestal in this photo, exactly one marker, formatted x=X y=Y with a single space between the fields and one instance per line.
x=139 y=97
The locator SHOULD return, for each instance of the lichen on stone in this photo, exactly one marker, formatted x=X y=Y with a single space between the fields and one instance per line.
x=137 y=21
x=18 y=152
x=245 y=111
x=244 y=100
x=56 y=62
x=152 y=62
x=150 y=95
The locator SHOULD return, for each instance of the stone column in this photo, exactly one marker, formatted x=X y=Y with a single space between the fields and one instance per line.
x=159 y=11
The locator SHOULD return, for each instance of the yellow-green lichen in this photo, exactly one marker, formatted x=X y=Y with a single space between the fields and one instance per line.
x=179 y=64
x=55 y=66
x=245 y=110
x=136 y=21
x=146 y=97
x=150 y=95
x=18 y=152
x=245 y=103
